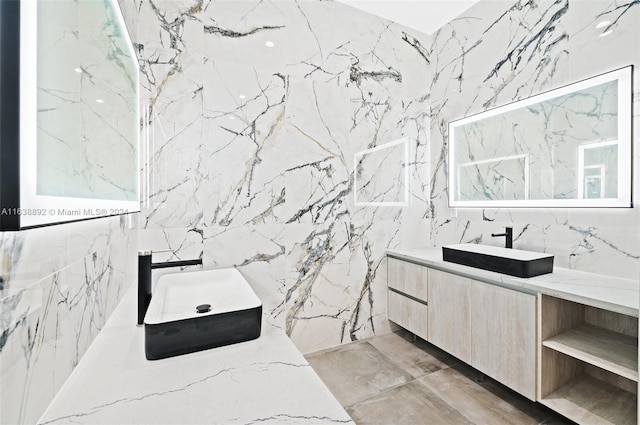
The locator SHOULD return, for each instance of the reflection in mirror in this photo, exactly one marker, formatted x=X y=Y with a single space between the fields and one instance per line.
x=568 y=147
x=598 y=170
x=381 y=175
x=77 y=154
x=87 y=102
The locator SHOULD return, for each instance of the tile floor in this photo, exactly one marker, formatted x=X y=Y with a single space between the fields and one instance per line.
x=389 y=379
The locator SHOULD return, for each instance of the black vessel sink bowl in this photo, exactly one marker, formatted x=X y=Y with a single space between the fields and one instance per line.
x=194 y=311
x=514 y=262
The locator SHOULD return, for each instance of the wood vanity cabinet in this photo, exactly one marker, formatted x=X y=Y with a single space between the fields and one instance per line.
x=588 y=362
x=489 y=327
x=450 y=313
x=503 y=337
x=577 y=359
x=407 y=295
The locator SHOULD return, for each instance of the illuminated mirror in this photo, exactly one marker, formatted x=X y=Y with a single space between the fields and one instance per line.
x=77 y=154
x=390 y=188
x=570 y=147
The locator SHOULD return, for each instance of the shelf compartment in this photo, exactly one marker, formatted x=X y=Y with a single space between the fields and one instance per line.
x=611 y=351
x=591 y=401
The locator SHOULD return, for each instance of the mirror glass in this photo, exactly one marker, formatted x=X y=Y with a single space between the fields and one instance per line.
x=570 y=147
x=79 y=112
x=373 y=188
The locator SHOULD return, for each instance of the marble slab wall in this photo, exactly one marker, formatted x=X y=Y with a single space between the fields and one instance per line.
x=502 y=51
x=251 y=145
x=58 y=286
x=256 y=112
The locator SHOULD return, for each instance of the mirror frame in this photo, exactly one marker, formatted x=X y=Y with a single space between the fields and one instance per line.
x=624 y=76
x=20 y=205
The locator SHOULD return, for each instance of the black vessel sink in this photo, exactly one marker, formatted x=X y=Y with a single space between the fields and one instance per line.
x=514 y=262
x=193 y=311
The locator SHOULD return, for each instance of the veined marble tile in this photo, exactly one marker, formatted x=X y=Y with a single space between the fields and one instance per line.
x=30 y=255
x=49 y=319
x=498 y=52
x=20 y=314
x=172 y=244
x=174 y=151
x=281 y=126
x=613 y=45
x=605 y=250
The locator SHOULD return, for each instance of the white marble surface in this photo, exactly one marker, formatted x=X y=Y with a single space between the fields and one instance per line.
x=266 y=380
x=498 y=52
x=252 y=150
x=59 y=285
x=602 y=291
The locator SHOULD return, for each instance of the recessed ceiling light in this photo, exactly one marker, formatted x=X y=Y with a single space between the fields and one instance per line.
x=99 y=101
x=78 y=70
x=603 y=24
x=606 y=33
x=241 y=96
x=269 y=43
x=232 y=118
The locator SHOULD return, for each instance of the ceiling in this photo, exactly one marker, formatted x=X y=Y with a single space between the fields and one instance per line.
x=426 y=16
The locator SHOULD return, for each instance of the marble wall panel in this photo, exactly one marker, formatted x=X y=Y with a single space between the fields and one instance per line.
x=274 y=159
x=61 y=284
x=499 y=52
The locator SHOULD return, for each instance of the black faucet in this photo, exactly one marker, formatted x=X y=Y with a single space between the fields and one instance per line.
x=508 y=236
x=144 y=278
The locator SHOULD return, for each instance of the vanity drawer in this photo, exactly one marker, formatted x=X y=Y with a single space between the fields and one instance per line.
x=408 y=313
x=407 y=278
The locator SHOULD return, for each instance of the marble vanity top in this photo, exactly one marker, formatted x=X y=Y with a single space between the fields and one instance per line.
x=606 y=292
x=266 y=380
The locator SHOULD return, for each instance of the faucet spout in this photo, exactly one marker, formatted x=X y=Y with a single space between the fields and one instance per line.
x=508 y=237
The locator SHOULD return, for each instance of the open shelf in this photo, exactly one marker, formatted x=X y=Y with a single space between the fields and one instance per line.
x=611 y=351
x=587 y=400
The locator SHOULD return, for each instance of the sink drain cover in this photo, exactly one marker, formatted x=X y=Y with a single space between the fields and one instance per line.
x=203 y=308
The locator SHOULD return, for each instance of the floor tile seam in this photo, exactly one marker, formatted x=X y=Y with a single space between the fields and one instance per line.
x=463 y=414
x=394 y=362
x=432 y=390
x=447 y=366
x=336 y=347
x=381 y=392
x=481 y=384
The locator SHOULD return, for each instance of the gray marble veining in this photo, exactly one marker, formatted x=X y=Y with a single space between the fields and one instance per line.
x=258 y=381
x=499 y=52
x=61 y=284
x=257 y=148
x=251 y=165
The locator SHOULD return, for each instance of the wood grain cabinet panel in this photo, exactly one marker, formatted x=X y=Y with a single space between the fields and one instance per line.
x=449 y=321
x=407 y=277
x=408 y=313
x=588 y=362
x=407 y=295
x=503 y=336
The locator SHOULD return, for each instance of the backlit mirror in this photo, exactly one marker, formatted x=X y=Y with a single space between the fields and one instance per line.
x=77 y=147
x=569 y=147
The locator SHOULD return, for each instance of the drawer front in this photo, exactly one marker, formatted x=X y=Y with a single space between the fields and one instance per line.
x=407 y=277
x=408 y=313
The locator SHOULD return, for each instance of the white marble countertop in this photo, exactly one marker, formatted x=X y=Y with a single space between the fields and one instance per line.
x=606 y=292
x=266 y=380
